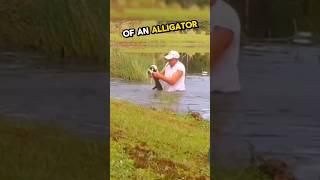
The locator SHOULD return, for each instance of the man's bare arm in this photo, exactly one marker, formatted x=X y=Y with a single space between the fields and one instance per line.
x=220 y=41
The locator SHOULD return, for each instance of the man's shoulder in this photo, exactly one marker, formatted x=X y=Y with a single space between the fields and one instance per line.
x=180 y=66
x=180 y=63
x=226 y=16
x=227 y=9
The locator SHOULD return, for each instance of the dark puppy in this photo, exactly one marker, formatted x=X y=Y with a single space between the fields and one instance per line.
x=154 y=68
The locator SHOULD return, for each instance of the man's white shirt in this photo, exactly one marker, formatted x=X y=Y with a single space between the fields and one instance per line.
x=180 y=84
x=225 y=73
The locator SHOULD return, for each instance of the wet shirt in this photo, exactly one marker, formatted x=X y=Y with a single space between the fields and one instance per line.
x=225 y=73
x=180 y=84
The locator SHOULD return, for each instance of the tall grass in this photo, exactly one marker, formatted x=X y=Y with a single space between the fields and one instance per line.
x=66 y=28
x=130 y=66
x=134 y=65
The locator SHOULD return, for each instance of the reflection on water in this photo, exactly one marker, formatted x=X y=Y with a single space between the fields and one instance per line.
x=196 y=98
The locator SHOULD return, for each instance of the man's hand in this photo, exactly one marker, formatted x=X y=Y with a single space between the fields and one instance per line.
x=157 y=75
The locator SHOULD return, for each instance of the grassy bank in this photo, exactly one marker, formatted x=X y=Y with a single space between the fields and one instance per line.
x=169 y=14
x=150 y=144
x=167 y=39
x=159 y=10
x=153 y=144
x=62 y=28
x=35 y=151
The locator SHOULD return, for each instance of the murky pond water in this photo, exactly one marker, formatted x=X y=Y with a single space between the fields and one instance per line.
x=31 y=89
x=196 y=98
x=277 y=113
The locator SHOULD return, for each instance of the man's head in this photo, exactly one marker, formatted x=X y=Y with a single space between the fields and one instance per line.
x=172 y=57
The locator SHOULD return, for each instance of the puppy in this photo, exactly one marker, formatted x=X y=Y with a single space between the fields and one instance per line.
x=151 y=69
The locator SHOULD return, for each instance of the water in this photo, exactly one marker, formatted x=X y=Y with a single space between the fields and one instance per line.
x=195 y=99
x=277 y=112
x=35 y=91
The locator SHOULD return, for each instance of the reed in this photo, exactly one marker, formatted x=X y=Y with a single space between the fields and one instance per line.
x=63 y=28
x=129 y=66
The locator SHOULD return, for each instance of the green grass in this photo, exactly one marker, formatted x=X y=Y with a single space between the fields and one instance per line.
x=36 y=151
x=64 y=28
x=167 y=38
x=154 y=144
x=168 y=14
x=162 y=43
x=129 y=66
x=190 y=40
x=133 y=65
x=162 y=49
x=158 y=144
x=158 y=10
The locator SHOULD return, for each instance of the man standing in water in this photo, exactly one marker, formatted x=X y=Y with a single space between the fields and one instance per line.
x=173 y=74
x=225 y=45
x=224 y=48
